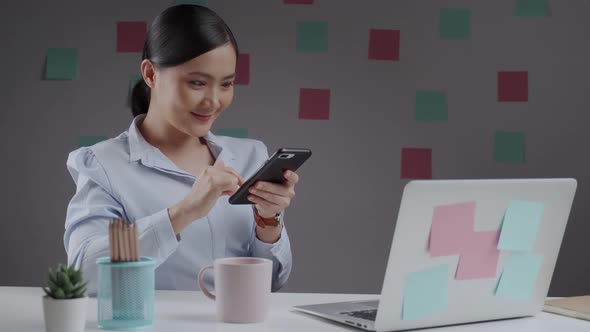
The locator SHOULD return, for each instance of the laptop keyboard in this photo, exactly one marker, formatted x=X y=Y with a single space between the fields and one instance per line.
x=364 y=314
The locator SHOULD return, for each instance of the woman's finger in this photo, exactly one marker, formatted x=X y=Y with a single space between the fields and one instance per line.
x=284 y=190
x=220 y=165
x=265 y=207
x=236 y=174
x=282 y=201
x=227 y=183
x=292 y=177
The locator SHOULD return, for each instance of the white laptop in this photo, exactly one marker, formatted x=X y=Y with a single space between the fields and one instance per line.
x=438 y=275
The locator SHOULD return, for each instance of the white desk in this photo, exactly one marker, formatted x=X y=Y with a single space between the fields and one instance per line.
x=21 y=310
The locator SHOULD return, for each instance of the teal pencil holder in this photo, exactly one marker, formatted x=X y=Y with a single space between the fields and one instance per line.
x=125 y=294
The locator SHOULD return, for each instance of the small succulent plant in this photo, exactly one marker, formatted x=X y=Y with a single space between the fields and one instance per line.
x=65 y=283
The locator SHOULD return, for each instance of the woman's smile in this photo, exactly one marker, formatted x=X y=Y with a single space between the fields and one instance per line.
x=201 y=117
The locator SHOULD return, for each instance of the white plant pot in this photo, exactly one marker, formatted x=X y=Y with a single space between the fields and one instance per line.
x=65 y=315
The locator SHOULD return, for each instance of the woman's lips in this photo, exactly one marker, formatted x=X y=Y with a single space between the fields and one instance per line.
x=201 y=117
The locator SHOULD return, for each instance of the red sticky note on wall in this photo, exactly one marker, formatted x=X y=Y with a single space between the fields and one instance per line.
x=131 y=36
x=384 y=44
x=243 y=70
x=298 y=2
x=416 y=163
x=513 y=86
x=314 y=104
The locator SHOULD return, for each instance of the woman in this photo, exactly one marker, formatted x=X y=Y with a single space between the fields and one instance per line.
x=169 y=174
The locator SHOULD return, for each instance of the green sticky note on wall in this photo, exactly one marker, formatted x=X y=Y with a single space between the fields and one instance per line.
x=531 y=8
x=425 y=292
x=233 y=132
x=509 y=147
x=454 y=24
x=90 y=140
x=61 y=64
x=431 y=106
x=312 y=36
x=192 y=2
x=520 y=225
x=519 y=277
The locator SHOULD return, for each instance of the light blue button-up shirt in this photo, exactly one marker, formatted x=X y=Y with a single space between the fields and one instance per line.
x=126 y=177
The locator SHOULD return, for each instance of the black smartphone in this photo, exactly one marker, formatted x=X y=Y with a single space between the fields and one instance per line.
x=272 y=171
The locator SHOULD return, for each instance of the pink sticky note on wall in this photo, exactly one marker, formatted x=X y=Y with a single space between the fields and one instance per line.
x=131 y=36
x=513 y=86
x=480 y=259
x=416 y=163
x=384 y=44
x=314 y=104
x=243 y=70
x=452 y=229
x=298 y=2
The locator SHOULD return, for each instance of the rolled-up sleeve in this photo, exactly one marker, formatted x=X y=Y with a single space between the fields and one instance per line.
x=280 y=254
x=90 y=211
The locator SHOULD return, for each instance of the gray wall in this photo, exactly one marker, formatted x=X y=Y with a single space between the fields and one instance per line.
x=342 y=220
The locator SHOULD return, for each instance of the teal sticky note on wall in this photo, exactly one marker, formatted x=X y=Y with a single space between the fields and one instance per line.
x=520 y=225
x=192 y=2
x=509 y=147
x=531 y=8
x=312 y=36
x=90 y=140
x=519 y=277
x=233 y=132
x=431 y=106
x=61 y=64
x=425 y=292
x=454 y=24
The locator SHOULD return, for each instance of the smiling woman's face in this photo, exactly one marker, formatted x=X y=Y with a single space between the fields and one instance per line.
x=190 y=96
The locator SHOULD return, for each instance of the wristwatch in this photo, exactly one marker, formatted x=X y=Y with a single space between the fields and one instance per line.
x=277 y=217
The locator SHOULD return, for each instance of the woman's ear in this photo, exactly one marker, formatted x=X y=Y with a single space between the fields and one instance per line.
x=148 y=71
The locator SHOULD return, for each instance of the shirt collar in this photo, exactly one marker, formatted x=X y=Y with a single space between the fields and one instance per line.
x=137 y=144
x=140 y=149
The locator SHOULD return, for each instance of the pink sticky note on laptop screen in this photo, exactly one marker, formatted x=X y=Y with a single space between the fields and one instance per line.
x=480 y=259
x=452 y=229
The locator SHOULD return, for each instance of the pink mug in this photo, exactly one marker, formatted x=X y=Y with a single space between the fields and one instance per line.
x=242 y=288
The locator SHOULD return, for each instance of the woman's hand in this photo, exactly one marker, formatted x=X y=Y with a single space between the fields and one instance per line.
x=269 y=200
x=213 y=182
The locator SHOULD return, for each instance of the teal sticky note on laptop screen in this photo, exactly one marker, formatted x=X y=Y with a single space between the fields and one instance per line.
x=520 y=225
x=425 y=292
x=519 y=277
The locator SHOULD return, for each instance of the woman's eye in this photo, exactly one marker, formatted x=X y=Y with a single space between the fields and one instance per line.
x=197 y=83
x=228 y=84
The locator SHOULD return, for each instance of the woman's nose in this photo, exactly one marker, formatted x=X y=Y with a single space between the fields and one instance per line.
x=211 y=99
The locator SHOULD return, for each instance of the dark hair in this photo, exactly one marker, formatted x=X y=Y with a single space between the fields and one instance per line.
x=177 y=35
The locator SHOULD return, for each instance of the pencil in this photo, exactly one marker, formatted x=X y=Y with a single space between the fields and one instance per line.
x=111 y=244
x=121 y=241
x=136 y=239
x=133 y=242
x=115 y=241
x=131 y=256
x=125 y=241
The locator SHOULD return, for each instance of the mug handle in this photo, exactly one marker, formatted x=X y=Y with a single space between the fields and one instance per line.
x=202 y=283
